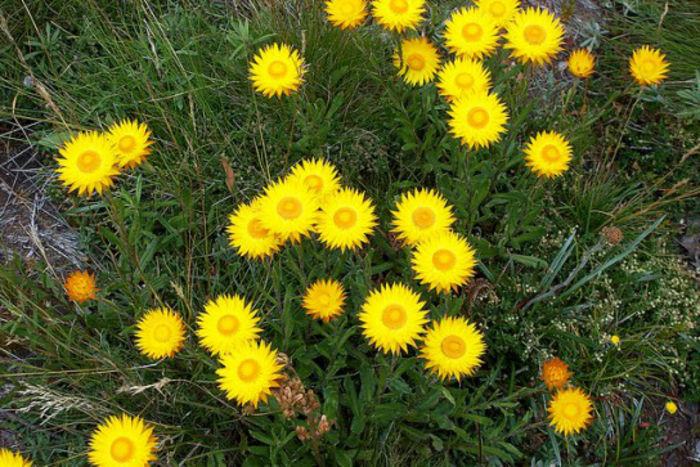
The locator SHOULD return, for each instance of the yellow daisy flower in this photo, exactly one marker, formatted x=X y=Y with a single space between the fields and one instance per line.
x=247 y=234
x=346 y=14
x=453 y=347
x=615 y=340
x=461 y=76
x=324 y=299
x=444 y=261
x=122 y=441
x=132 y=142
x=570 y=411
x=478 y=119
x=249 y=373
x=319 y=176
x=534 y=35
x=501 y=12
x=420 y=214
x=581 y=63
x=10 y=459
x=88 y=163
x=346 y=220
x=398 y=15
x=227 y=322
x=276 y=70
x=555 y=373
x=470 y=32
x=289 y=209
x=160 y=333
x=648 y=66
x=393 y=318
x=548 y=154
x=418 y=61
x=80 y=286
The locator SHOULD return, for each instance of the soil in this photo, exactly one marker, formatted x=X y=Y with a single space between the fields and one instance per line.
x=30 y=224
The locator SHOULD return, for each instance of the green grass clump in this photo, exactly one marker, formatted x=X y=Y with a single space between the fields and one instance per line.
x=547 y=283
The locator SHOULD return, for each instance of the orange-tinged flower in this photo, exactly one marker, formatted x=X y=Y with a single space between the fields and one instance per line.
x=555 y=373
x=81 y=286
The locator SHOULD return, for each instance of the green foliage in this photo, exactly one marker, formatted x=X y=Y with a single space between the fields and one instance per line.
x=547 y=285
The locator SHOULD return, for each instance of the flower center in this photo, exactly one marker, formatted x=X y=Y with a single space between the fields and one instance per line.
x=88 y=161
x=277 y=69
x=535 y=34
x=478 y=117
x=472 y=31
x=648 y=66
x=415 y=62
x=289 y=207
x=394 y=317
x=550 y=153
x=345 y=218
x=497 y=9
x=122 y=449
x=324 y=299
x=162 y=333
x=398 y=6
x=227 y=325
x=347 y=8
x=444 y=260
x=453 y=346
x=248 y=370
x=256 y=230
x=314 y=182
x=423 y=217
x=465 y=80
x=127 y=143
x=571 y=410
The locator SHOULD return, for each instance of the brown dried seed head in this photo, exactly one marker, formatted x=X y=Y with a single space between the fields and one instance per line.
x=612 y=235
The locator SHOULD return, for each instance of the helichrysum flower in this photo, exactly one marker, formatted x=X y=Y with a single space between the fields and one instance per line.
x=88 y=163
x=453 y=348
x=227 y=322
x=555 y=373
x=346 y=14
x=393 y=317
x=443 y=262
x=461 y=76
x=570 y=411
x=417 y=61
x=500 y=11
x=548 y=154
x=581 y=63
x=324 y=299
x=249 y=373
x=289 y=209
x=671 y=407
x=11 y=459
x=346 y=220
x=160 y=333
x=131 y=141
x=277 y=69
x=534 y=35
x=478 y=119
x=398 y=15
x=248 y=235
x=420 y=214
x=80 y=286
x=319 y=176
x=648 y=66
x=122 y=441
x=470 y=32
